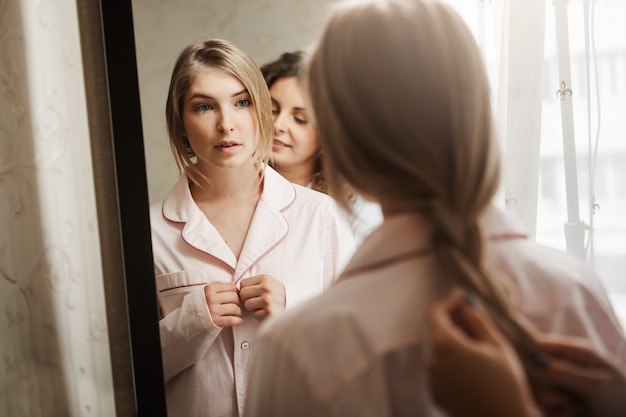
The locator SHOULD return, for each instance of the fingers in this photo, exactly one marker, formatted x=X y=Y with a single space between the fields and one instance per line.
x=261 y=286
x=223 y=301
x=465 y=344
x=571 y=376
x=262 y=294
x=555 y=403
x=575 y=350
x=220 y=287
x=576 y=367
x=226 y=315
x=457 y=319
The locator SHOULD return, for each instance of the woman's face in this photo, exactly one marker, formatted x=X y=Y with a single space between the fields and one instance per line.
x=219 y=120
x=295 y=142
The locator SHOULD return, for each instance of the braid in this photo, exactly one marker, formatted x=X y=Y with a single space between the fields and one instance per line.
x=458 y=247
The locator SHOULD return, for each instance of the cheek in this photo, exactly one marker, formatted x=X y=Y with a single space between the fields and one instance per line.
x=307 y=140
x=196 y=132
x=254 y=127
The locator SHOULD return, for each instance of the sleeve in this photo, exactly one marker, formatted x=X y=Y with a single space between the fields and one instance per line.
x=562 y=295
x=592 y=308
x=187 y=332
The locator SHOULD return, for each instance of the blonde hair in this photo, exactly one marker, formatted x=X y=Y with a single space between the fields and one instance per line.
x=404 y=114
x=223 y=55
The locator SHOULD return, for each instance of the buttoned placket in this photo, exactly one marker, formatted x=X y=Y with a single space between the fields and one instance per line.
x=242 y=346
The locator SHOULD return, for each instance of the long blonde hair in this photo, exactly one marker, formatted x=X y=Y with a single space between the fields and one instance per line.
x=401 y=101
x=224 y=55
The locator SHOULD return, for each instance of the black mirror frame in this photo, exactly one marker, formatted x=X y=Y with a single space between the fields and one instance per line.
x=116 y=134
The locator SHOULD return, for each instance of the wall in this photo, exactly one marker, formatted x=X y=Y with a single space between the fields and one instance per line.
x=54 y=353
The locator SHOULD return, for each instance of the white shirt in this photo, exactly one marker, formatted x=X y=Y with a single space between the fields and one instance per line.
x=366 y=217
x=296 y=235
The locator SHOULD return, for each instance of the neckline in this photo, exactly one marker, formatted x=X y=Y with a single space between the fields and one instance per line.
x=372 y=266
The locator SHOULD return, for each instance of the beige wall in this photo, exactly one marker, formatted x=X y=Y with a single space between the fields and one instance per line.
x=263 y=28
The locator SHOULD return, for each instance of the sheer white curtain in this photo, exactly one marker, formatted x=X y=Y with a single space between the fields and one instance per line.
x=558 y=74
x=54 y=350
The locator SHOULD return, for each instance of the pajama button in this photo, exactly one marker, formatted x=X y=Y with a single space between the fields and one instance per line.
x=245 y=345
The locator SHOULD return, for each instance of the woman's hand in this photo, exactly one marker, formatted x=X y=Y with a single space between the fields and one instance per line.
x=223 y=301
x=262 y=294
x=576 y=367
x=474 y=370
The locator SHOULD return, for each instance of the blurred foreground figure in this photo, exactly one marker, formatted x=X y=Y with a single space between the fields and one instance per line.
x=401 y=101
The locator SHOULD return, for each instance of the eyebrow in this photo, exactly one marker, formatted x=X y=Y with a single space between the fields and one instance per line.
x=277 y=103
x=205 y=96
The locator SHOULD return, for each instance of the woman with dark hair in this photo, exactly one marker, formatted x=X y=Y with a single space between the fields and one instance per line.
x=296 y=153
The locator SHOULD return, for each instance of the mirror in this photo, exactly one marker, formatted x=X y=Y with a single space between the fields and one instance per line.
x=129 y=49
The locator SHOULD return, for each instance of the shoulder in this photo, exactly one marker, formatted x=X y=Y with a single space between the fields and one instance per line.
x=308 y=196
x=279 y=190
x=177 y=207
x=521 y=257
x=527 y=260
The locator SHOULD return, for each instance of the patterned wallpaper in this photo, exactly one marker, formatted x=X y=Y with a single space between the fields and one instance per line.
x=262 y=28
x=54 y=353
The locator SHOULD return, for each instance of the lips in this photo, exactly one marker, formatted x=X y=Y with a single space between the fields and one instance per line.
x=226 y=144
x=278 y=143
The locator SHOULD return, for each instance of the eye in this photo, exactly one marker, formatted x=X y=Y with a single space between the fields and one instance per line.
x=274 y=111
x=300 y=120
x=203 y=107
x=244 y=102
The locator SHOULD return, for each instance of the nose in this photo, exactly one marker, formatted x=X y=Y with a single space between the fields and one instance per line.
x=225 y=122
x=279 y=123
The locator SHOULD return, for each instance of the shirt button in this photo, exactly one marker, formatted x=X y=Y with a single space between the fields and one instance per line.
x=245 y=345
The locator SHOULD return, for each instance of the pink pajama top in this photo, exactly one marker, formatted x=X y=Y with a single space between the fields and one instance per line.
x=359 y=348
x=297 y=235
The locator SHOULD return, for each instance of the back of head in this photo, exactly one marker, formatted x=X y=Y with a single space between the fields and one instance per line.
x=223 y=55
x=399 y=91
x=401 y=101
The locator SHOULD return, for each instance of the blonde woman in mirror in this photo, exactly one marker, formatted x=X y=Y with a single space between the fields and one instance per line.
x=296 y=152
x=466 y=343
x=234 y=242
x=401 y=103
